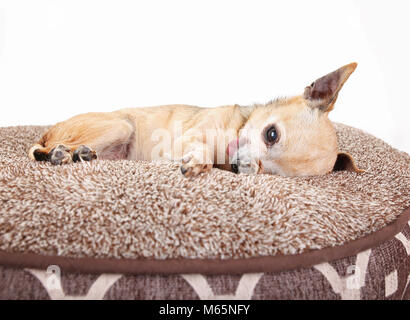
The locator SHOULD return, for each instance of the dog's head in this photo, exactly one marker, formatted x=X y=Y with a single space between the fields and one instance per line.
x=294 y=136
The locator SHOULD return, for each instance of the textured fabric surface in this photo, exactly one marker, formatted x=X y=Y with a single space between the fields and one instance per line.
x=378 y=273
x=131 y=209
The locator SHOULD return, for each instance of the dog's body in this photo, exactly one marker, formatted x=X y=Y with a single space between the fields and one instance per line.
x=291 y=137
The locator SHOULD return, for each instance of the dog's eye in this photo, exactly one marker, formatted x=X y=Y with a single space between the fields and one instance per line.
x=271 y=135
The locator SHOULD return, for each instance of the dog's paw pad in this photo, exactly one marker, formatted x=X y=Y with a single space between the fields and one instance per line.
x=59 y=155
x=84 y=153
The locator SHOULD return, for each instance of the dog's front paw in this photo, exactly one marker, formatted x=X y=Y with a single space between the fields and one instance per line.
x=192 y=167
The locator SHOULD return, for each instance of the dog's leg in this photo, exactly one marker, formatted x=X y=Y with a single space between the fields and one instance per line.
x=196 y=156
x=83 y=138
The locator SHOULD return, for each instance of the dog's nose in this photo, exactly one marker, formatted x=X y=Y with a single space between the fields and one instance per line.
x=234 y=168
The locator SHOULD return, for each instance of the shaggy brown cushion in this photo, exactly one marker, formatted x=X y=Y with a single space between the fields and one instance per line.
x=133 y=210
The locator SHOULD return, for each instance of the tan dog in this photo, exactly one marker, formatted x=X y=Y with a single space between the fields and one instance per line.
x=290 y=136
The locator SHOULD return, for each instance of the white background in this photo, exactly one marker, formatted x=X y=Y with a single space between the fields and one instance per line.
x=60 y=58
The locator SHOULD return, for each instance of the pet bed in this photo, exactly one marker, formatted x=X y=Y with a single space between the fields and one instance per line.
x=140 y=230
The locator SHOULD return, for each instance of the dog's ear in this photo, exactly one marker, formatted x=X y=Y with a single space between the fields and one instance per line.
x=323 y=92
x=345 y=162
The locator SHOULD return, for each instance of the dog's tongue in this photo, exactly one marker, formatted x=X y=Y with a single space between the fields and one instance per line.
x=232 y=148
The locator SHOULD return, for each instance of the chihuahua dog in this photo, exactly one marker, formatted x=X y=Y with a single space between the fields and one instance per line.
x=288 y=136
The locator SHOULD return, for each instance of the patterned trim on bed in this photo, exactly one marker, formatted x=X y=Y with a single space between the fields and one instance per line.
x=379 y=273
